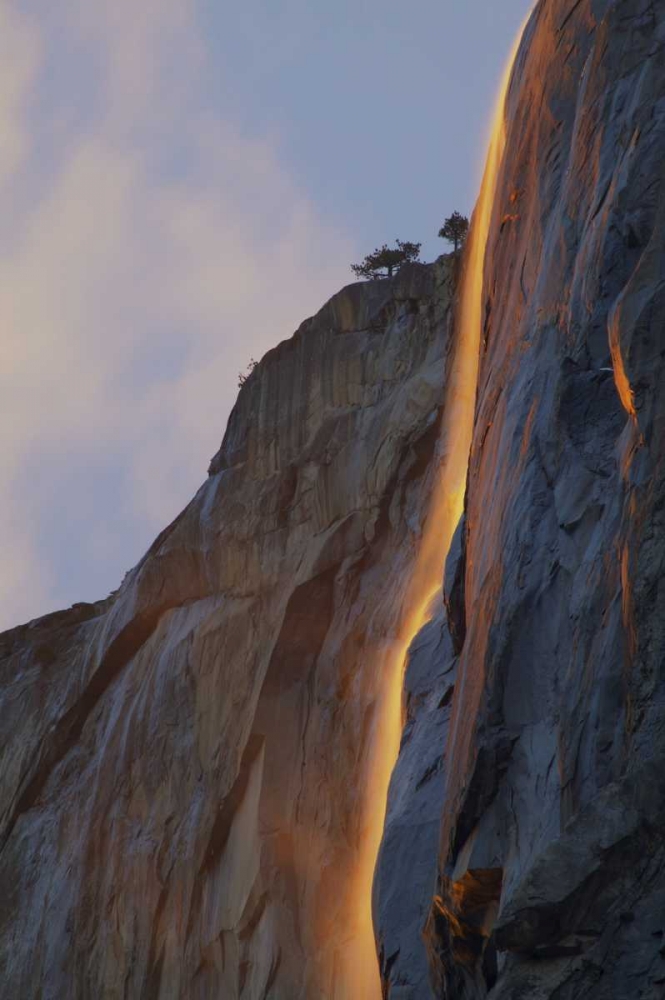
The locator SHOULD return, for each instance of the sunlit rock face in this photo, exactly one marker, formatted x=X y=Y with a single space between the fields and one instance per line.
x=182 y=779
x=552 y=855
x=183 y=771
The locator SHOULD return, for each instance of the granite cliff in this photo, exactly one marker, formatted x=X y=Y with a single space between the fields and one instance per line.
x=184 y=766
x=188 y=769
x=547 y=690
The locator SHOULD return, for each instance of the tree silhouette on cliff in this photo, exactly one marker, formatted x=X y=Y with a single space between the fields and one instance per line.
x=455 y=230
x=386 y=261
x=243 y=376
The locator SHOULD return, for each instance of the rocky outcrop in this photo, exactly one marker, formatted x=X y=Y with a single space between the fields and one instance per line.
x=184 y=807
x=551 y=871
x=183 y=766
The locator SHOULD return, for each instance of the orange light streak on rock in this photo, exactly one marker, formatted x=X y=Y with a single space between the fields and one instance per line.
x=621 y=379
x=360 y=976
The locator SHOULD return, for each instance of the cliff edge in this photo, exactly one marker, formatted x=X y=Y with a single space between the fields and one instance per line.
x=183 y=769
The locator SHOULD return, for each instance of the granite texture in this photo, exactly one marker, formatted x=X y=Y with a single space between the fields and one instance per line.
x=183 y=766
x=551 y=867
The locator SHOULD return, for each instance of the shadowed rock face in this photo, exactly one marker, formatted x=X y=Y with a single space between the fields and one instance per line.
x=182 y=766
x=182 y=771
x=551 y=876
x=406 y=870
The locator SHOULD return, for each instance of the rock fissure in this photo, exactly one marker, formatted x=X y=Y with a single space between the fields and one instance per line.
x=185 y=811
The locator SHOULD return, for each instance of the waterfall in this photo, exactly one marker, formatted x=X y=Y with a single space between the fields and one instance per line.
x=359 y=976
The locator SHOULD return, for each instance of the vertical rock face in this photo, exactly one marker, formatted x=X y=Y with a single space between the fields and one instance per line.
x=407 y=865
x=551 y=876
x=182 y=766
x=182 y=800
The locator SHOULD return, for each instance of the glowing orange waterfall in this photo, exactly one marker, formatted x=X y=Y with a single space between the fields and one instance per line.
x=359 y=978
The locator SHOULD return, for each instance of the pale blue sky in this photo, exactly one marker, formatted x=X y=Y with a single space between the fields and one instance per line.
x=180 y=185
x=378 y=108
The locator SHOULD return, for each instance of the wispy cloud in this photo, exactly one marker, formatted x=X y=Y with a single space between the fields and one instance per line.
x=19 y=60
x=149 y=249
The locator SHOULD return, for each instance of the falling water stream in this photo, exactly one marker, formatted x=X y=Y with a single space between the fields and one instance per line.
x=360 y=976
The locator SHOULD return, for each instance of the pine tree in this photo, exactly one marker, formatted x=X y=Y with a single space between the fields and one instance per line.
x=243 y=376
x=455 y=230
x=386 y=261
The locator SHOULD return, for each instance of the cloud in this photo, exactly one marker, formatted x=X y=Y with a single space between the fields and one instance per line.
x=153 y=248
x=19 y=58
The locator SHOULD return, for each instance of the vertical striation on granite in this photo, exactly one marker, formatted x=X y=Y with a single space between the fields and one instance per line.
x=551 y=868
x=406 y=869
x=182 y=765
